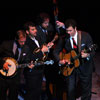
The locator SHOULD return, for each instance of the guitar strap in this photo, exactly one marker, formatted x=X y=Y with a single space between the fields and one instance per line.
x=79 y=41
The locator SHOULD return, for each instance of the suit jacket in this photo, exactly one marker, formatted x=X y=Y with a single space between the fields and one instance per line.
x=45 y=38
x=6 y=50
x=32 y=45
x=86 y=66
x=33 y=76
x=34 y=72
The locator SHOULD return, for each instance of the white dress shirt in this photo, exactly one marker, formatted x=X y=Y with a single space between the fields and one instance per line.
x=75 y=38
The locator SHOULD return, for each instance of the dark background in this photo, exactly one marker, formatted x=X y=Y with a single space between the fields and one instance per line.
x=15 y=14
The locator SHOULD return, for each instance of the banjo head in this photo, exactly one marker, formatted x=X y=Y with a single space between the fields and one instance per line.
x=12 y=67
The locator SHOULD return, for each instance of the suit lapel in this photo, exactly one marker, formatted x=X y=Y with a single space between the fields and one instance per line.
x=79 y=41
x=68 y=44
x=23 y=53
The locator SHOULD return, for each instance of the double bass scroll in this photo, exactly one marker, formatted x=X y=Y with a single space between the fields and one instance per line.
x=56 y=15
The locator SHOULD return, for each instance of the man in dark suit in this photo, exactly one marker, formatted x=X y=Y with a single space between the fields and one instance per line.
x=9 y=86
x=47 y=34
x=84 y=70
x=34 y=77
x=45 y=30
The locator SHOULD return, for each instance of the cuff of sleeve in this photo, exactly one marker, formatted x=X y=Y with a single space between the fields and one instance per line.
x=88 y=58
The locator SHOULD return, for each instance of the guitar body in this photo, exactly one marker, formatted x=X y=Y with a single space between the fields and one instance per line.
x=72 y=56
x=12 y=68
x=66 y=70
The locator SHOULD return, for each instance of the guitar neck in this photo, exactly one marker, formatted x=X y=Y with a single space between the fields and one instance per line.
x=91 y=48
x=23 y=65
x=27 y=64
x=76 y=57
x=55 y=38
x=36 y=64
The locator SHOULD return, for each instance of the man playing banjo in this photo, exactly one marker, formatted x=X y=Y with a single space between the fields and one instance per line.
x=11 y=52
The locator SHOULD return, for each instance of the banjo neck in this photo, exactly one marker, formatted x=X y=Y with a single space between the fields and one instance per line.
x=13 y=66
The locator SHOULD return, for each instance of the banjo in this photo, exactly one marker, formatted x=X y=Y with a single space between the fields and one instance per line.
x=13 y=66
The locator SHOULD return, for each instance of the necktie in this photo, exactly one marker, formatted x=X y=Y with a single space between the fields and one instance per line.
x=46 y=32
x=74 y=44
x=16 y=54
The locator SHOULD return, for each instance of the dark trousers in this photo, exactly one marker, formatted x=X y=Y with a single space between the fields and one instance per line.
x=85 y=82
x=10 y=87
x=33 y=84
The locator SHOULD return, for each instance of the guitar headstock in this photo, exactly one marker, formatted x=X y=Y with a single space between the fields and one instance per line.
x=50 y=62
x=93 y=47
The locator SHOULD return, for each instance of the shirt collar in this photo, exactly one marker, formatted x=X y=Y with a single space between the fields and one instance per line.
x=75 y=37
x=44 y=30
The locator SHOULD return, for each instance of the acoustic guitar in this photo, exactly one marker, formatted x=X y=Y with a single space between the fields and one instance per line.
x=73 y=57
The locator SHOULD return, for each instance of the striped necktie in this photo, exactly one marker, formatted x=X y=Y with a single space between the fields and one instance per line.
x=74 y=44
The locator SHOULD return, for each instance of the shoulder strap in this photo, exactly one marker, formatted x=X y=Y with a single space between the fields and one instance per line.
x=79 y=40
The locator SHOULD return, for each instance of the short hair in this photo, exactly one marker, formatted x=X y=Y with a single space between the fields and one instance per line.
x=70 y=22
x=27 y=24
x=20 y=34
x=41 y=18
